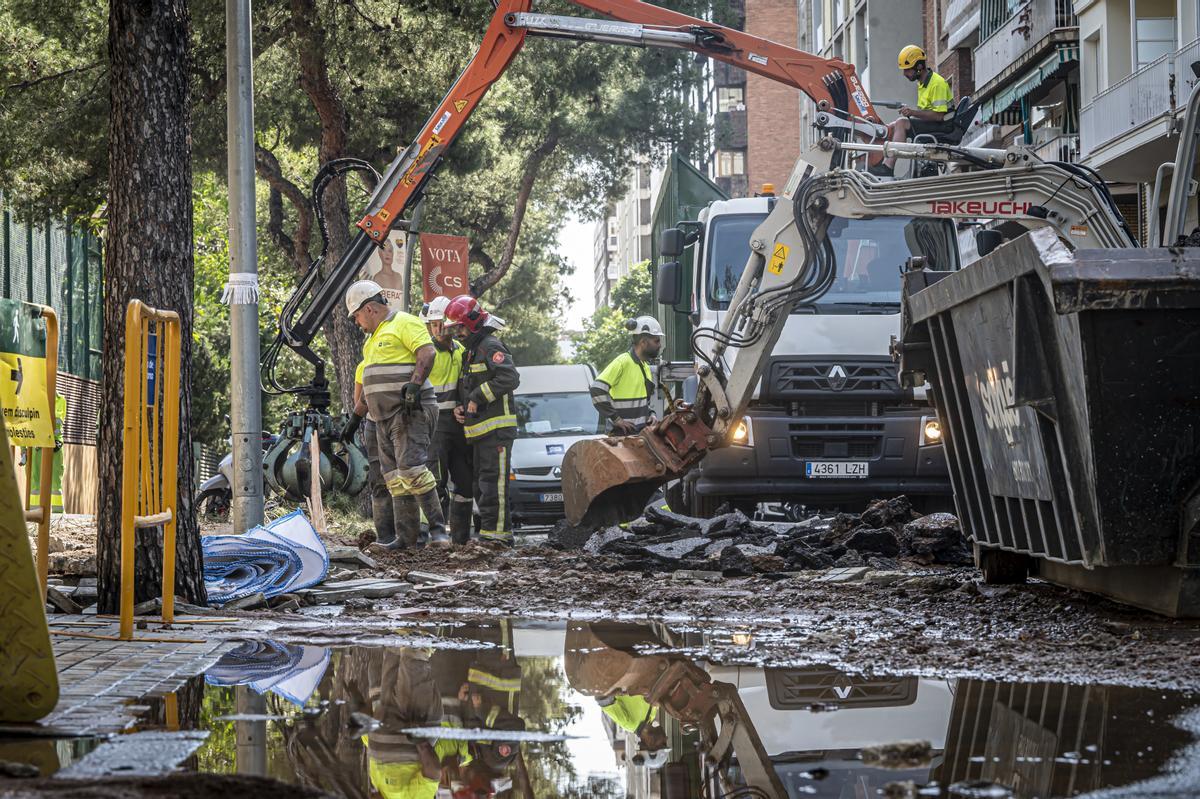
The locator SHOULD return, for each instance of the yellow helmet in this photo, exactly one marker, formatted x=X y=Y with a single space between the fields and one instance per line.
x=910 y=55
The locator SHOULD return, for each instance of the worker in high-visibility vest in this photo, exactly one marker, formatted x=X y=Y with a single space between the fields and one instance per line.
x=56 y=473
x=397 y=359
x=486 y=411
x=622 y=392
x=450 y=456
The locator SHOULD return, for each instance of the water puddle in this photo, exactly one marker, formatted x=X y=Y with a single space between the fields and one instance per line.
x=507 y=708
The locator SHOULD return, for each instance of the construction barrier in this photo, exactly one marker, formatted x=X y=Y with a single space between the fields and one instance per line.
x=29 y=353
x=28 y=677
x=150 y=454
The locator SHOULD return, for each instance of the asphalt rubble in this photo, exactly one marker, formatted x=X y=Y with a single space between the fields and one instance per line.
x=889 y=533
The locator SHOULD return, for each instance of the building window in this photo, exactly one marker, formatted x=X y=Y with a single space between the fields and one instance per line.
x=862 y=41
x=730 y=163
x=731 y=98
x=818 y=15
x=644 y=211
x=1154 y=37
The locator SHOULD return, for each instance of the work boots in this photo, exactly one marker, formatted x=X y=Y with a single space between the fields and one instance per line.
x=431 y=506
x=408 y=521
x=384 y=520
x=460 y=519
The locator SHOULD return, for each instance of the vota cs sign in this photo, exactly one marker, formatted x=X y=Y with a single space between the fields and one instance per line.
x=990 y=208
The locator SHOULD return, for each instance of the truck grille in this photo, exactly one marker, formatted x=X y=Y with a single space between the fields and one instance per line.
x=862 y=440
x=836 y=407
x=792 y=378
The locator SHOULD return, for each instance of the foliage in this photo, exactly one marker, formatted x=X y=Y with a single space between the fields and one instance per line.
x=604 y=336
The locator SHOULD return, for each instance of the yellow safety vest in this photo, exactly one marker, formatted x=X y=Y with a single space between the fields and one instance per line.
x=447 y=368
x=389 y=357
x=623 y=390
x=935 y=95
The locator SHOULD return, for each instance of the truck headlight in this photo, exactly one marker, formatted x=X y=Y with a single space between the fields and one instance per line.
x=931 y=431
x=743 y=434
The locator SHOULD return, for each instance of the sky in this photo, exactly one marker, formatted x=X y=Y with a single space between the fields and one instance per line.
x=575 y=244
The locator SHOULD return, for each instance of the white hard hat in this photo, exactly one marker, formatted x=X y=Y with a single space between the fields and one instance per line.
x=360 y=292
x=435 y=309
x=644 y=326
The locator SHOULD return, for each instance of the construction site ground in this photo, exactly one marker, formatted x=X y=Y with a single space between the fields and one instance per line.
x=896 y=620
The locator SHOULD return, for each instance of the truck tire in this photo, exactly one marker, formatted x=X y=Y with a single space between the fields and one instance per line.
x=1001 y=567
x=702 y=506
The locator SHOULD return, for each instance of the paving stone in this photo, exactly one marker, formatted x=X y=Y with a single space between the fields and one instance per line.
x=139 y=754
x=847 y=575
x=353 y=589
x=352 y=555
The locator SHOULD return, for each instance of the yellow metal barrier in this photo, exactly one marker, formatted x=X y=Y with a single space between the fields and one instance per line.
x=41 y=514
x=150 y=455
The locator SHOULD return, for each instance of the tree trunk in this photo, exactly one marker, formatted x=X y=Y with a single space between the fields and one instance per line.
x=148 y=256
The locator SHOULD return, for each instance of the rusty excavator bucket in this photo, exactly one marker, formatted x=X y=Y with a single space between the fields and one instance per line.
x=609 y=480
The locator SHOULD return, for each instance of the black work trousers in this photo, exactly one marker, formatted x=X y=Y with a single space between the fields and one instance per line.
x=450 y=458
x=492 y=456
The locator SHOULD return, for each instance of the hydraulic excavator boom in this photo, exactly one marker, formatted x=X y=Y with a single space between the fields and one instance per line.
x=792 y=263
x=832 y=84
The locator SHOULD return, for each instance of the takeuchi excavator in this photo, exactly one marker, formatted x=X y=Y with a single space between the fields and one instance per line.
x=791 y=262
x=833 y=85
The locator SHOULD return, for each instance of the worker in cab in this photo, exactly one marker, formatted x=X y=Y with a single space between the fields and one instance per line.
x=450 y=457
x=934 y=102
x=486 y=411
x=623 y=391
x=397 y=359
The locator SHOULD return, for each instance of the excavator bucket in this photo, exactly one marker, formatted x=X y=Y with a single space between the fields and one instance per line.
x=609 y=480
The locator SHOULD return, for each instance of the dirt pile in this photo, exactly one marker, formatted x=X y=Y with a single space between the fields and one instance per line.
x=885 y=533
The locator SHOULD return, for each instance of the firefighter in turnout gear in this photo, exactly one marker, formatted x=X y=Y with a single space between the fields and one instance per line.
x=397 y=359
x=486 y=411
x=450 y=457
x=622 y=392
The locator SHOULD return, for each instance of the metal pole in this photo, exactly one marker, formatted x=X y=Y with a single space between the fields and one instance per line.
x=242 y=290
x=410 y=243
x=251 y=736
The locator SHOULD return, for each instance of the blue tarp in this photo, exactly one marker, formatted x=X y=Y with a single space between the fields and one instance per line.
x=286 y=555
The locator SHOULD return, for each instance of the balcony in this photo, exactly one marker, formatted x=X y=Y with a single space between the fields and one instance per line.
x=1009 y=45
x=1059 y=148
x=1144 y=96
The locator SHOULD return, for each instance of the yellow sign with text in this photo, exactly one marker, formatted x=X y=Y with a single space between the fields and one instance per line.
x=778 y=259
x=23 y=398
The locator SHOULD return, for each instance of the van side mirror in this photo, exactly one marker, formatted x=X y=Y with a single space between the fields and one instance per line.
x=671 y=243
x=987 y=240
x=669 y=283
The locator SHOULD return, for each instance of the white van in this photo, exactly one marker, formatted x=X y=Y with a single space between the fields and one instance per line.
x=554 y=410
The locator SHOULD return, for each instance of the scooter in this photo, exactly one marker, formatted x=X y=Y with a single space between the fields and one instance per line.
x=215 y=496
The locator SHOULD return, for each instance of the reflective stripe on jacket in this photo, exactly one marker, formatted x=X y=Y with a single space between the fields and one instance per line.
x=445 y=374
x=389 y=358
x=488 y=379
x=624 y=390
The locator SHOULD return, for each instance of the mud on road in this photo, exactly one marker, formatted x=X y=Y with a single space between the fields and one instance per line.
x=913 y=620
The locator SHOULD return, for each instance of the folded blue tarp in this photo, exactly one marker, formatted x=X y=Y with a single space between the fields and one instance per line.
x=290 y=670
x=286 y=555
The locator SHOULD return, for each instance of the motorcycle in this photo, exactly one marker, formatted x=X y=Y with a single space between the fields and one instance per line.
x=215 y=495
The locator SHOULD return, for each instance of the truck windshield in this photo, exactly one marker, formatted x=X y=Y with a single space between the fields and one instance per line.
x=869 y=254
x=556 y=414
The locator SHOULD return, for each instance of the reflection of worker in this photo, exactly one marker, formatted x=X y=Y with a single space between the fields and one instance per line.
x=450 y=456
x=486 y=411
x=397 y=359
x=622 y=392
x=934 y=99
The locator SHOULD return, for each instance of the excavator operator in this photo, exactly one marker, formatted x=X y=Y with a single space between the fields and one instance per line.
x=450 y=456
x=934 y=101
x=397 y=359
x=486 y=411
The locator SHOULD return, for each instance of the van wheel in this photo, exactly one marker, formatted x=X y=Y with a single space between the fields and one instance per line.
x=1000 y=567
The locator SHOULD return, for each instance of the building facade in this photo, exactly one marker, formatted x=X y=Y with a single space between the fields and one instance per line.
x=623 y=238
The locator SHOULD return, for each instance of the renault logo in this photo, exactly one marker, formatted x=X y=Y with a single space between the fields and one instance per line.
x=836 y=377
x=557 y=472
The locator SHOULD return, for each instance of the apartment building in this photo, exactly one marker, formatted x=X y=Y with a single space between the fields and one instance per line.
x=1136 y=68
x=868 y=34
x=623 y=238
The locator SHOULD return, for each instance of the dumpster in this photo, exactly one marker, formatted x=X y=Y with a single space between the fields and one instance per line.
x=1068 y=385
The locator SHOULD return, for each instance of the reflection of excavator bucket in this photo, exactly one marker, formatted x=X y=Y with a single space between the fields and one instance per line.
x=610 y=480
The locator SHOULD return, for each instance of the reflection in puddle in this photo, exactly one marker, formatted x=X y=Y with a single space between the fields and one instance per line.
x=616 y=710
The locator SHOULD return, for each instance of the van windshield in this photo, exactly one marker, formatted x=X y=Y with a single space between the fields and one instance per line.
x=868 y=252
x=556 y=414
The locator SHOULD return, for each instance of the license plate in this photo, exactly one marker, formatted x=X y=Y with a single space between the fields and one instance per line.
x=552 y=497
x=836 y=469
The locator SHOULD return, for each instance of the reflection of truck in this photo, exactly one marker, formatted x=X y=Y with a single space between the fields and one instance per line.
x=829 y=422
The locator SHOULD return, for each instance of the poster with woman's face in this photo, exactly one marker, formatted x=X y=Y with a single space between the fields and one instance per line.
x=386 y=266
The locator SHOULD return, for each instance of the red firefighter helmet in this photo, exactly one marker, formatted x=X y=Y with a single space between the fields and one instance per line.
x=467 y=311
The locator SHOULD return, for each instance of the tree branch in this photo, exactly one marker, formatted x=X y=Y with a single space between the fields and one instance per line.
x=268 y=168
x=214 y=87
x=26 y=84
x=533 y=163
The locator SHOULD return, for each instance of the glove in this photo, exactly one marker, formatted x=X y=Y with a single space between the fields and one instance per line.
x=350 y=428
x=410 y=395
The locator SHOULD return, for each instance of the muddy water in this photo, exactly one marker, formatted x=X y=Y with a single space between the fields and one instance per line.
x=616 y=710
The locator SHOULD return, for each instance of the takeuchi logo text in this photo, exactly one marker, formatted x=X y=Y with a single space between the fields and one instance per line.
x=979 y=207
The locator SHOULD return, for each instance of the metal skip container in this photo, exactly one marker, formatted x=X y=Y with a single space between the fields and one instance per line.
x=1068 y=386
